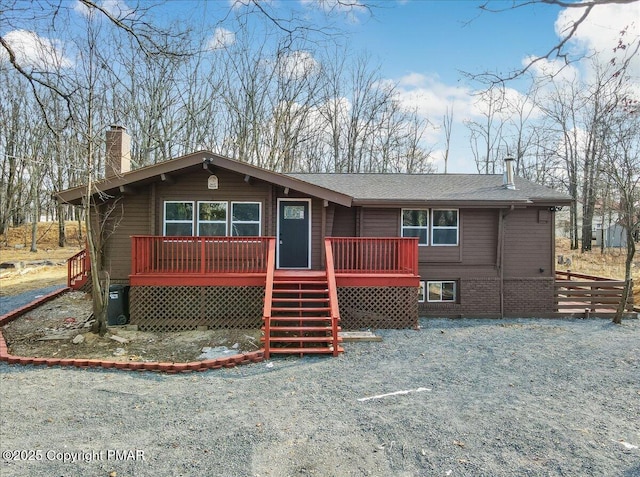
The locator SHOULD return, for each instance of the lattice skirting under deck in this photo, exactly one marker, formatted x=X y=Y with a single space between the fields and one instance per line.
x=378 y=307
x=187 y=307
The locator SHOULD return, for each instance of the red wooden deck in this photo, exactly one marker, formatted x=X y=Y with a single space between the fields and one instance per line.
x=244 y=261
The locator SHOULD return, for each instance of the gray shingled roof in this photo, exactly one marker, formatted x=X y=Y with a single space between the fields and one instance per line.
x=433 y=188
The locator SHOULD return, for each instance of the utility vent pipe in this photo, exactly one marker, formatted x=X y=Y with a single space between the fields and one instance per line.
x=507 y=181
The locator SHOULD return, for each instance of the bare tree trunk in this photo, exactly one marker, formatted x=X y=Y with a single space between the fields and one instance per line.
x=62 y=231
x=628 y=284
x=36 y=210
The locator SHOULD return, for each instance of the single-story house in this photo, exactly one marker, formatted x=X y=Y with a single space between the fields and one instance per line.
x=204 y=240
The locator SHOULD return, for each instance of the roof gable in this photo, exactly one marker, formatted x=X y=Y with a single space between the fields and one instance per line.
x=164 y=171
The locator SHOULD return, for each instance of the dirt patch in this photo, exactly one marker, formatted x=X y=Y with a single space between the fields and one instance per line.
x=32 y=275
x=45 y=267
x=60 y=329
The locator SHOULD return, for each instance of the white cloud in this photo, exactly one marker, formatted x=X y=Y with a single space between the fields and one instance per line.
x=221 y=38
x=351 y=8
x=297 y=65
x=115 y=8
x=555 y=68
x=602 y=31
x=34 y=51
x=431 y=98
x=333 y=5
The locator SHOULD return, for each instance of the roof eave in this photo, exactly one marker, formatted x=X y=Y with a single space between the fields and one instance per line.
x=471 y=203
x=436 y=203
x=154 y=172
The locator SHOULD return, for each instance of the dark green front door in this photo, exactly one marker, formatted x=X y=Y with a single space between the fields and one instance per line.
x=294 y=234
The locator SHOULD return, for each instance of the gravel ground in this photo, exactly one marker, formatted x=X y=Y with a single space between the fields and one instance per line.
x=485 y=398
x=9 y=303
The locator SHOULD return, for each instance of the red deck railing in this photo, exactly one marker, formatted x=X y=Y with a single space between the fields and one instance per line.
x=333 y=295
x=78 y=268
x=374 y=255
x=268 y=294
x=198 y=255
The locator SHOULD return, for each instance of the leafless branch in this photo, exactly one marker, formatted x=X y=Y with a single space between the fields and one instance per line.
x=558 y=51
x=33 y=81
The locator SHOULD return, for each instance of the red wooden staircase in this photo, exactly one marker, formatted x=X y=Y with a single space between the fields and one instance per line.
x=301 y=313
x=300 y=321
x=78 y=268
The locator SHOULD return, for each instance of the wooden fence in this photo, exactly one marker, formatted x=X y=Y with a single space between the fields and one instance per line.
x=588 y=293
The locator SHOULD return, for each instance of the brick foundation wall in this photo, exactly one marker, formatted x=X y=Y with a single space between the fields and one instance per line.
x=480 y=298
x=526 y=297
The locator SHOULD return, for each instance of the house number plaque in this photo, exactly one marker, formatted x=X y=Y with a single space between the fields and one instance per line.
x=212 y=183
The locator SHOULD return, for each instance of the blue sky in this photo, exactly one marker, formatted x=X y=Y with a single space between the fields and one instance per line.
x=424 y=46
x=421 y=46
x=440 y=38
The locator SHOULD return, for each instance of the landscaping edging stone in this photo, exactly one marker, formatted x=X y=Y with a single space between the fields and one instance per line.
x=169 y=367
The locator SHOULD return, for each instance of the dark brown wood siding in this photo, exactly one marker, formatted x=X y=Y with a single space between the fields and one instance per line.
x=474 y=257
x=380 y=222
x=131 y=215
x=142 y=213
x=231 y=187
x=344 y=222
x=528 y=247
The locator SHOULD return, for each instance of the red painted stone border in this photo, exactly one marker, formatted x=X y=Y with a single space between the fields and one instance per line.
x=171 y=368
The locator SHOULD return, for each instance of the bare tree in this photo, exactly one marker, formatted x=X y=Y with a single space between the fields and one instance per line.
x=447 y=126
x=561 y=106
x=81 y=88
x=622 y=168
x=486 y=137
x=561 y=50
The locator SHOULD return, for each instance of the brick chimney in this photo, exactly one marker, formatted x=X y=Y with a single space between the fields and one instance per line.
x=118 y=160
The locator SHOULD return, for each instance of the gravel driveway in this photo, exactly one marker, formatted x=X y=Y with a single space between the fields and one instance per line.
x=12 y=302
x=480 y=398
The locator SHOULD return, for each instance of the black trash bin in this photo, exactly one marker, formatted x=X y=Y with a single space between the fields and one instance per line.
x=117 y=309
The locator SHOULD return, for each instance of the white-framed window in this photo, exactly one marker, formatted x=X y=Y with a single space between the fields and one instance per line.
x=415 y=223
x=422 y=291
x=246 y=218
x=178 y=218
x=212 y=218
x=444 y=227
x=441 y=291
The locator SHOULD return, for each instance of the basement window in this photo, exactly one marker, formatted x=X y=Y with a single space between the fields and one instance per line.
x=421 y=292
x=441 y=291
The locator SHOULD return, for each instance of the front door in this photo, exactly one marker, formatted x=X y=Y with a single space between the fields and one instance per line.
x=294 y=233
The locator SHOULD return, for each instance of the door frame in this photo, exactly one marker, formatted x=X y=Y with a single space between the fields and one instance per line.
x=289 y=199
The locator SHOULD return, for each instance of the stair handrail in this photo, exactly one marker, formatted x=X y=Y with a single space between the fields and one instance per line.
x=78 y=266
x=333 y=294
x=268 y=294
